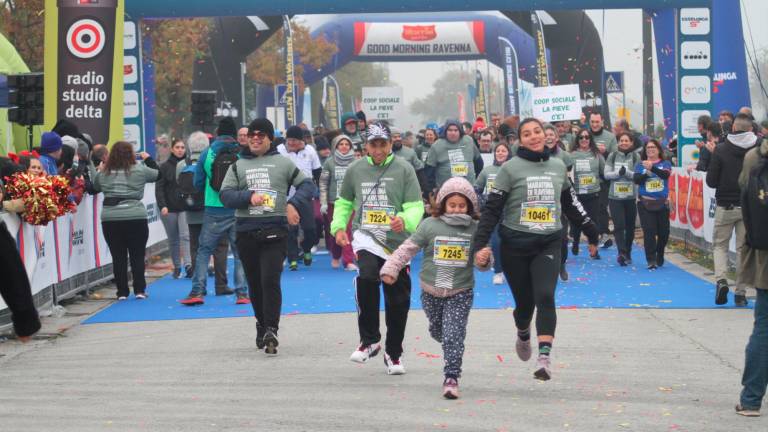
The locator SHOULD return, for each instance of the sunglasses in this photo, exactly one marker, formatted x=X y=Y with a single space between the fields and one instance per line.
x=584 y=137
x=259 y=135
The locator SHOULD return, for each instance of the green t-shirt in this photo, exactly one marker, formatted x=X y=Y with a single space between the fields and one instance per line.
x=410 y=155
x=270 y=175
x=448 y=263
x=378 y=193
x=130 y=187
x=487 y=178
x=335 y=177
x=609 y=140
x=534 y=189
x=422 y=150
x=565 y=157
x=453 y=159
x=587 y=169
x=622 y=188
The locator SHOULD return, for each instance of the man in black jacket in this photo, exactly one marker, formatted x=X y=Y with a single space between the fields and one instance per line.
x=723 y=176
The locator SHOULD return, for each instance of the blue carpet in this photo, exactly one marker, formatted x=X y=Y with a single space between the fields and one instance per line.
x=321 y=289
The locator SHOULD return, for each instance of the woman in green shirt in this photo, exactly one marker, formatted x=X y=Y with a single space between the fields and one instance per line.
x=588 y=167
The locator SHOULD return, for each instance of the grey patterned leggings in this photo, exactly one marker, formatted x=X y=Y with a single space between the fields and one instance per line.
x=448 y=318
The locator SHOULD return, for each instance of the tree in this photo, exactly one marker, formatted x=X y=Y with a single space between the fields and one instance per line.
x=757 y=89
x=266 y=65
x=22 y=22
x=176 y=45
x=442 y=103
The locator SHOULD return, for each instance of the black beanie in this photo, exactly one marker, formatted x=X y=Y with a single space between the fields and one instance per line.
x=227 y=127
x=321 y=143
x=262 y=125
x=294 y=132
x=360 y=116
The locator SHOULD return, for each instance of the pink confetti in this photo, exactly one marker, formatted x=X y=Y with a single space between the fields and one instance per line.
x=427 y=355
x=499 y=358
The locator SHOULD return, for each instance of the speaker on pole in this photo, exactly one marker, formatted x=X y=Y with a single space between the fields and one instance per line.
x=25 y=98
x=203 y=108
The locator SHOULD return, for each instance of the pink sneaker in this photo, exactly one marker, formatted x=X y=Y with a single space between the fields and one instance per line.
x=543 y=371
x=451 y=388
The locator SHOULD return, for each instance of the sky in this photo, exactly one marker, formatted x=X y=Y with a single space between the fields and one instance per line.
x=622 y=43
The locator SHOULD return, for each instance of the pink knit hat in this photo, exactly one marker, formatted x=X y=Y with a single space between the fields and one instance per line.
x=461 y=186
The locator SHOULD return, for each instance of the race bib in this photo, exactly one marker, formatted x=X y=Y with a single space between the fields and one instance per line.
x=490 y=183
x=654 y=185
x=269 y=201
x=451 y=252
x=538 y=214
x=585 y=181
x=623 y=189
x=377 y=217
x=459 y=169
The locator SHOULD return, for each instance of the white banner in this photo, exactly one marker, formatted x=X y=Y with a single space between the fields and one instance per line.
x=383 y=103
x=557 y=103
x=72 y=244
x=419 y=39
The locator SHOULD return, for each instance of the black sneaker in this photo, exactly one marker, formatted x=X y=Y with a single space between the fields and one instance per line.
x=176 y=273
x=606 y=244
x=740 y=300
x=270 y=341
x=563 y=273
x=721 y=292
x=307 y=259
x=260 y=332
x=575 y=249
x=189 y=271
x=622 y=260
x=652 y=265
x=660 y=260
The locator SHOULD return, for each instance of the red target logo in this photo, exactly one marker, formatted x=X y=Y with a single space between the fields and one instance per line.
x=85 y=38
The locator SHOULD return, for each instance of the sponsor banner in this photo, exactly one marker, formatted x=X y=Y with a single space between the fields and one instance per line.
x=481 y=104
x=730 y=80
x=84 y=73
x=511 y=78
x=419 y=39
x=537 y=31
x=695 y=55
x=73 y=243
x=290 y=81
x=557 y=103
x=695 y=21
x=694 y=204
x=383 y=103
x=331 y=103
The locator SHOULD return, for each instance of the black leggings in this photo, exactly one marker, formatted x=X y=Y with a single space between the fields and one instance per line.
x=397 y=303
x=591 y=203
x=655 y=232
x=263 y=265
x=127 y=238
x=533 y=279
x=623 y=213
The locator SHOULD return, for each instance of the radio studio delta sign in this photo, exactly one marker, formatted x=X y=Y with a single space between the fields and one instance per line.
x=419 y=39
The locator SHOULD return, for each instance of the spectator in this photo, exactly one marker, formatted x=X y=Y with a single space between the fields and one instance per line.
x=172 y=213
x=723 y=176
x=754 y=271
x=725 y=116
x=485 y=141
x=124 y=217
x=704 y=154
x=242 y=137
x=764 y=128
x=50 y=152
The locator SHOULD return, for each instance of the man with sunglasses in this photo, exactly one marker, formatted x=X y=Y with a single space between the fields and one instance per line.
x=383 y=192
x=606 y=144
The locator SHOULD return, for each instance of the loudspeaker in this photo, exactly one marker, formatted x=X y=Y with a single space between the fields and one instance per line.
x=26 y=98
x=203 y=108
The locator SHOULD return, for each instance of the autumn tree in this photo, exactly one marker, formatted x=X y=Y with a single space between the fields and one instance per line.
x=266 y=65
x=176 y=45
x=22 y=22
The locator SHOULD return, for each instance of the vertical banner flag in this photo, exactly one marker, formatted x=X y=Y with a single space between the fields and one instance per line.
x=729 y=66
x=462 y=109
x=481 y=102
x=290 y=81
x=331 y=103
x=133 y=102
x=694 y=72
x=84 y=66
x=511 y=78
x=537 y=30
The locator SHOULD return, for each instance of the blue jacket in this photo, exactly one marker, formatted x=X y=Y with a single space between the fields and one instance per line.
x=49 y=164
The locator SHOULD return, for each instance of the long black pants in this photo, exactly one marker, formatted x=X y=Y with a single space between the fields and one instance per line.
x=397 y=303
x=533 y=279
x=602 y=214
x=15 y=288
x=624 y=213
x=127 y=239
x=294 y=252
x=591 y=203
x=263 y=265
x=655 y=232
x=219 y=256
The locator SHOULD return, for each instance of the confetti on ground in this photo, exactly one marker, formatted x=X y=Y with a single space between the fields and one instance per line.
x=499 y=358
x=427 y=355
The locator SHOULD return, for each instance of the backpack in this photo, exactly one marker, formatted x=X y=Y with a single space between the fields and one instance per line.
x=225 y=157
x=754 y=205
x=193 y=199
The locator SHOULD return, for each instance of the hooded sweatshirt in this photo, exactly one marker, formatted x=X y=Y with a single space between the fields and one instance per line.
x=452 y=159
x=356 y=137
x=725 y=167
x=446 y=241
x=622 y=187
x=204 y=173
x=334 y=169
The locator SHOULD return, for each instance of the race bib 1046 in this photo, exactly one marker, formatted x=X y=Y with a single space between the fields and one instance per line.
x=377 y=217
x=451 y=251
x=538 y=214
x=459 y=169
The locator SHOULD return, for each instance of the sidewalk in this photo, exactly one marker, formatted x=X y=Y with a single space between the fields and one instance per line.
x=626 y=370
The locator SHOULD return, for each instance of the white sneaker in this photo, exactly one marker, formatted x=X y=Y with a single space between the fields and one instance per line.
x=364 y=352
x=351 y=267
x=498 y=279
x=313 y=250
x=394 y=367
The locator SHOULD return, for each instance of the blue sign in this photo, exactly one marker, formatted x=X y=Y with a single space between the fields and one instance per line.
x=3 y=91
x=614 y=82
